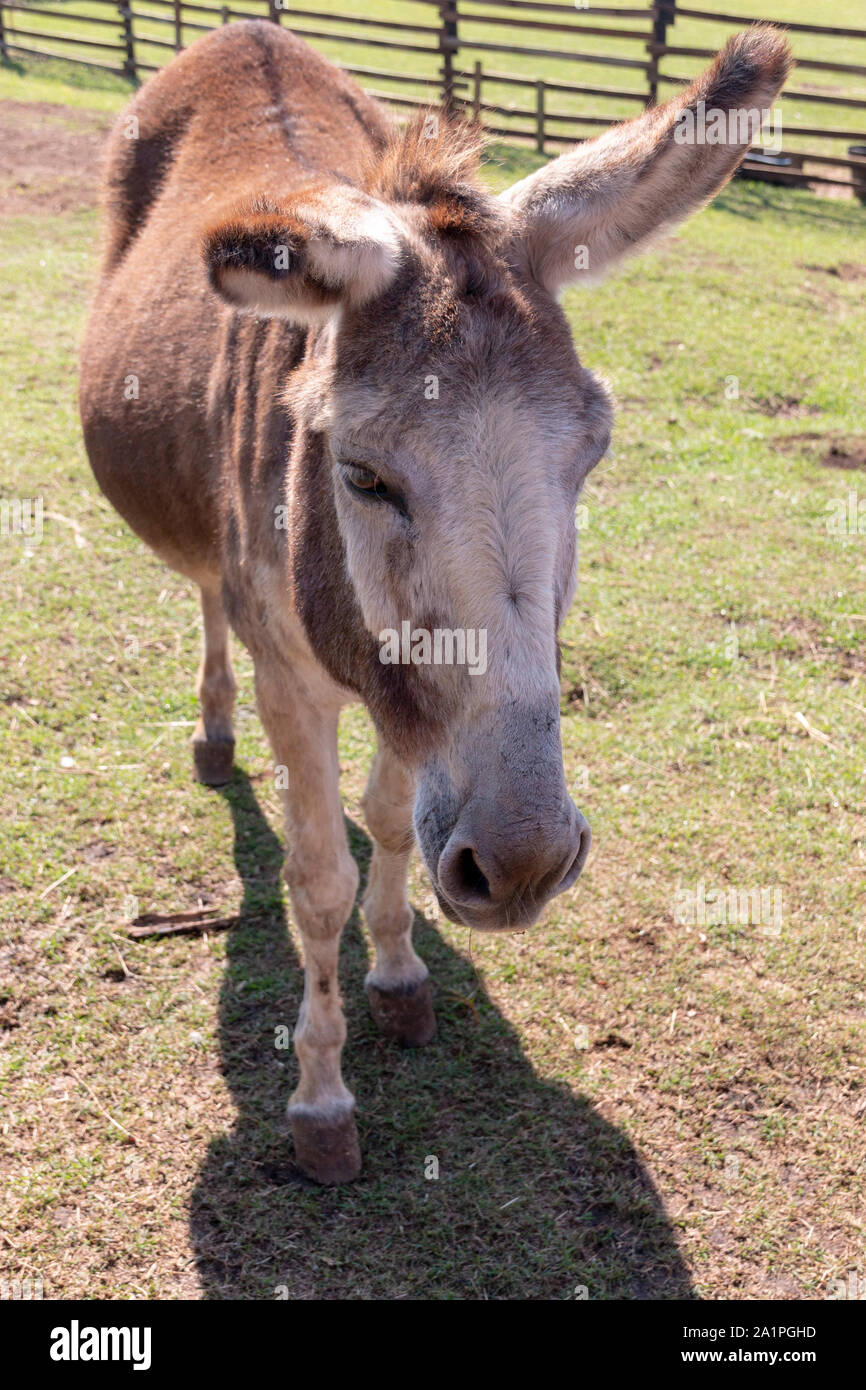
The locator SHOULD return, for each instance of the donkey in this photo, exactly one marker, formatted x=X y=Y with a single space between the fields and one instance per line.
x=326 y=377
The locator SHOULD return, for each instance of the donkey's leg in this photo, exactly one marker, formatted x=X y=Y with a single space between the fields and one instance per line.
x=213 y=742
x=323 y=881
x=398 y=986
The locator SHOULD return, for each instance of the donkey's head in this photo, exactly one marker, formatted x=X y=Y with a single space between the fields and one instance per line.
x=444 y=427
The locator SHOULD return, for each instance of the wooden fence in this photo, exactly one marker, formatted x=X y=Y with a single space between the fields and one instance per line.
x=454 y=51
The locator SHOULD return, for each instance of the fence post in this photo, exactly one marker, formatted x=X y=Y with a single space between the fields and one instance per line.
x=4 y=53
x=476 y=91
x=539 y=117
x=178 y=41
x=225 y=14
x=129 y=67
x=858 y=175
x=273 y=12
x=448 y=47
x=664 y=13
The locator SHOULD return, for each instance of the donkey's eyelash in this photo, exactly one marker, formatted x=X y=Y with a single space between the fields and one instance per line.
x=366 y=483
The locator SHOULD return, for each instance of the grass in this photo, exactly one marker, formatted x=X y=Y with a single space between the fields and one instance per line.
x=617 y=1102
x=151 y=28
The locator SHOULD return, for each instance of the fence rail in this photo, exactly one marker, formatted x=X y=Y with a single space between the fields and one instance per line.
x=452 y=43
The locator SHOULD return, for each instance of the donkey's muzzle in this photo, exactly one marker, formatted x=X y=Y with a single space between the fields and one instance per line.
x=495 y=874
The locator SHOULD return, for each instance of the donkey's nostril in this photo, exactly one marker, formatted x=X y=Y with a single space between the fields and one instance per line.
x=461 y=876
x=468 y=875
x=497 y=871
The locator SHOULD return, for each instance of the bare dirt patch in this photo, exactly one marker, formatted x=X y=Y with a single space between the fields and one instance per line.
x=846 y=270
x=49 y=157
x=784 y=407
x=847 y=452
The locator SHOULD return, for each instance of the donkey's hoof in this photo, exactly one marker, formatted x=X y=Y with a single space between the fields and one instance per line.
x=213 y=759
x=404 y=1014
x=326 y=1148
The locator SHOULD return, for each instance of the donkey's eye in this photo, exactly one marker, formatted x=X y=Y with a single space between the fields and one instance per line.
x=367 y=483
x=364 y=479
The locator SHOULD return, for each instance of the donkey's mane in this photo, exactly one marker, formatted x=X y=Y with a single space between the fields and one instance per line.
x=433 y=162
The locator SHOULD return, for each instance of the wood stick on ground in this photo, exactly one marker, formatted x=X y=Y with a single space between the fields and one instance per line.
x=178 y=923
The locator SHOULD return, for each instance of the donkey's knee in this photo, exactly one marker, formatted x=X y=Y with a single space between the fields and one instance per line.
x=387 y=804
x=322 y=895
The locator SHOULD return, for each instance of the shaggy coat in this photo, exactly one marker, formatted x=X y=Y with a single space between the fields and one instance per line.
x=326 y=376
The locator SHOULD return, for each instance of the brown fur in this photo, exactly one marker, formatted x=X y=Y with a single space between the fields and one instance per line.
x=226 y=118
x=261 y=178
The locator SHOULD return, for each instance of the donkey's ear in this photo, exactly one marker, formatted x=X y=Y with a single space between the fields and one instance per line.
x=585 y=211
x=306 y=256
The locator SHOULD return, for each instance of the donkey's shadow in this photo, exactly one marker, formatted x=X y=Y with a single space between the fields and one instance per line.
x=536 y=1195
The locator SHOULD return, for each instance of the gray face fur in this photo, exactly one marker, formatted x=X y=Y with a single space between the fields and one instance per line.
x=459 y=426
x=480 y=445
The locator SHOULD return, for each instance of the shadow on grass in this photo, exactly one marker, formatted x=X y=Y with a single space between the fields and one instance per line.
x=536 y=1196
x=756 y=199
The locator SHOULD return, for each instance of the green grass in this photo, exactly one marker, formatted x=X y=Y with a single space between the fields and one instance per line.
x=617 y=1101
x=686 y=33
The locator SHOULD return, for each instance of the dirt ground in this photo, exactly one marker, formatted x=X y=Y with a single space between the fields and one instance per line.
x=49 y=157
